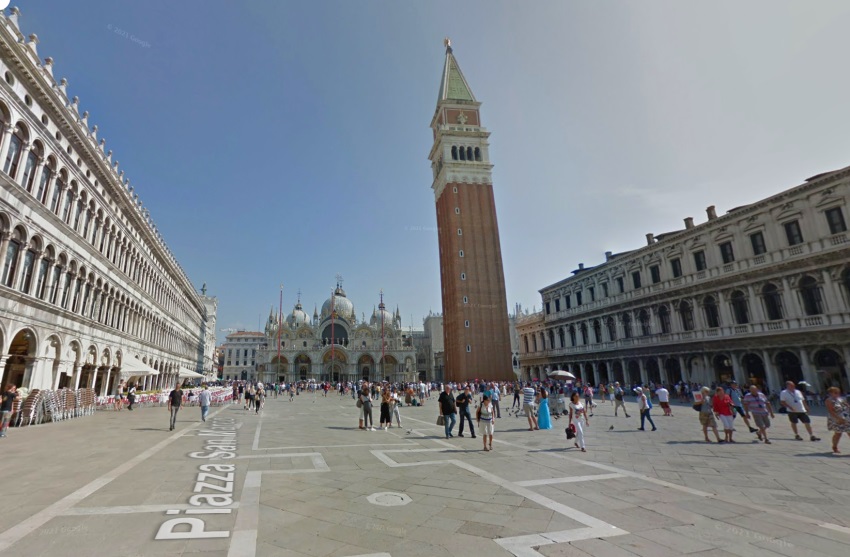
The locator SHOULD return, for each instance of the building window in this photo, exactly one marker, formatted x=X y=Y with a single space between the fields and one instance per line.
x=740 y=309
x=655 y=273
x=26 y=272
x=621 y=287
x=13 y=155
x=757 y=241
x=466 y=323
x=572 y=335
x=645 y=325
x=712 y=315
x=454 y=155
x=454 y=189
x=463 y=276
x=568 y=301
x=469 y=348
x=561 y=337
x=699 y=260
x=459 y=232
x=636 y=279
x=547 y=308
x=793 y=233
x=457 y=210
x=772 y=302
x=465 y=300
x=810 y=292
x=627 y=325
x=835 y=220
x=612 y=329
x=664 y=319
x=726 y=252
x=597 y=331
x=687 y=315
x=29 y=171
x=551 y=339
x=460 y=253
x=578 y=298
x=604 y=289
x=583 y=331
x=11 y=262
x=557 y=305
x=676 y=267
x=592 y=292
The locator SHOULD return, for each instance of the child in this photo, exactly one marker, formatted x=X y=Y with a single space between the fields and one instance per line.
x=485 y=412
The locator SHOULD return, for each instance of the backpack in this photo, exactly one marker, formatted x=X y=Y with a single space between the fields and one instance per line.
x=648 y=403
x=359 y=403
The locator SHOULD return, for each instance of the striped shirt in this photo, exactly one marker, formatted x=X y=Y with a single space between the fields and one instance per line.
x=528 y=395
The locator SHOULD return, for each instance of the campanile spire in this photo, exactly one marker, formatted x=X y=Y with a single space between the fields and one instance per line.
x=475 y=312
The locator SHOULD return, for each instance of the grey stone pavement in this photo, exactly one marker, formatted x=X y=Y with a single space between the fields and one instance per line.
x=303 y=480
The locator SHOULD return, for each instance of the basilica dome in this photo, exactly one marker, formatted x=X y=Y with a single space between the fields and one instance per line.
x=376 y=317
x=342 y=305
x=298 y=317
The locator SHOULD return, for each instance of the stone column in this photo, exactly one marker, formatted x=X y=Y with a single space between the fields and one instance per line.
x=845 y=350
x=18 y=266
x=809 y=373
x=662 y=370
x=644 y=377
x=36 y=178
x=774 y=382
x=595 y=374
x=790 y=296
x=726 y=319
x=4 y=143
x=737 y=372
x=683 y=366
x=76 y=377
x=5 y=237
x=756 y=307
x=831 y=294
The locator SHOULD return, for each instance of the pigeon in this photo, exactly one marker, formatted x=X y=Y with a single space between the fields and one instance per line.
x=409 y=431
x=611 y=428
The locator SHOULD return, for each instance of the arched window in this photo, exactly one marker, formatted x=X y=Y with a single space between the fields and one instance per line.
x=13 y=154
x=469 y=154
x=454 y=152
x=525 y=341
x=772 y=302
x=462 y=153
x=583 y=331
x=740 y=309
x=26 y=271
x=645 y=325
x=627 y=325
x=664 y=319
x=66 y=210
x=810 y=293
x=612 y=328
x=687 y=316
x=44 y=183
x=11 y=263
x=478 y=154
x=562 y=337
x=597 y=331
x=572 y=335
x=28 y=176
x=846 y=282
x=551 y=339
x=712 y=315
x=533 y=340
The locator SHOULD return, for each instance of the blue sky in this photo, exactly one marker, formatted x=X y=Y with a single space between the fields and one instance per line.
x=284 y=142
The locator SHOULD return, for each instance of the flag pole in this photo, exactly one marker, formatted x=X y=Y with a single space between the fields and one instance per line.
x=383 y=344
x=279 y=326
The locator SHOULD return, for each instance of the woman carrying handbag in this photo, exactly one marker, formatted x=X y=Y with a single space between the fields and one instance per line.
x=578 y=419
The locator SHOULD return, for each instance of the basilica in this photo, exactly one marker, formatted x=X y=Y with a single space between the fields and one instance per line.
x=334 y=345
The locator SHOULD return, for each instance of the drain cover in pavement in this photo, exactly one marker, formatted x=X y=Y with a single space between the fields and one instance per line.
x=389 y=499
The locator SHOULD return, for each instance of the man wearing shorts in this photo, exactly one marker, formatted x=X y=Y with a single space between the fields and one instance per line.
x=734 y=393
x=10 y=395
x=798 y=410
x=757 y=404
x=664 y=400
x=619 y=399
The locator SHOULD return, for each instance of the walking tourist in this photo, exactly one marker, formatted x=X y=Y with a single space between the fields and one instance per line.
x=578 y=419
x=204 y=399
x=131 y=397
x=544 y=418
x=838 y=416
x=395 y=402
x=516 y=401
x=619 y=398
x=644 y=407
x=611 y=391
x=119 y=397
x=486 y=412
x=175 y=400
x=798 y=410
x=463 y=400
x=448 y=410
x=588 y=397
x=757 y=405
x=721 y=402
x=528 y=394
x=497 y=396
x=664 y=400
x=706 y=415
x=10 y=395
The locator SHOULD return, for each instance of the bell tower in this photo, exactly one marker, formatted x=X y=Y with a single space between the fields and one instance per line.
x=475 y=309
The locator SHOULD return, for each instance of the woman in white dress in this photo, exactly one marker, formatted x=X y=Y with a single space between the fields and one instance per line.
x=578 y=418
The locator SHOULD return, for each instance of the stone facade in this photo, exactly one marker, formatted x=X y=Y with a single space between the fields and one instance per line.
x=89 y=292
x=760 y=294
x=476 y=333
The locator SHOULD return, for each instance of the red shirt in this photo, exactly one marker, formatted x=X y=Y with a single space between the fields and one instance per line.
x=722 y=405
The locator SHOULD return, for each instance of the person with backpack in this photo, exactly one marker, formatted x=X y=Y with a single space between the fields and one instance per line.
x=644 y=407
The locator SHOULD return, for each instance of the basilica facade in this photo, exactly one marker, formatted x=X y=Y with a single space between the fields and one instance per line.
x=334 y=345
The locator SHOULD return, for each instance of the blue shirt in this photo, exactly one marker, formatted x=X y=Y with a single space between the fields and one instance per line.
x=735 y=395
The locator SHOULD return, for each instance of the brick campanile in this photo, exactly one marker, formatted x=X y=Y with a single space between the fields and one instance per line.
x=475 y=309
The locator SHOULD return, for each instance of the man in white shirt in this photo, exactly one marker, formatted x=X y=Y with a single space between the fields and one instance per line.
x=798 y=411
x=664 y=400
x=204 y=399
